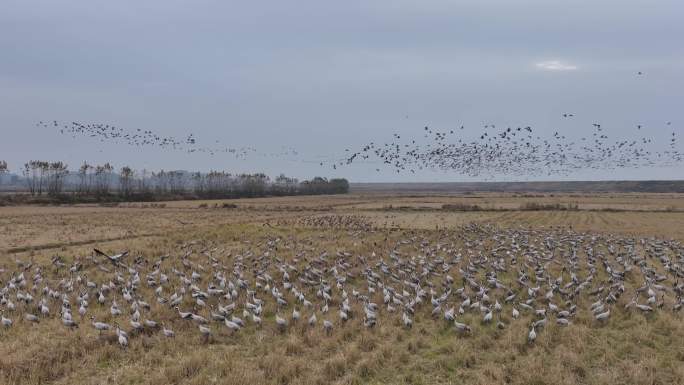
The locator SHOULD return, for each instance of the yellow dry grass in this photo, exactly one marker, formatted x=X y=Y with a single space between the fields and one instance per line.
x=631 y=349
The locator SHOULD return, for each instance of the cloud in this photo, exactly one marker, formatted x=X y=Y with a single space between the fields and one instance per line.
x=555 y=65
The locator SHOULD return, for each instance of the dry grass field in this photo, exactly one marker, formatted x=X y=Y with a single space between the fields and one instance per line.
x=363 y=248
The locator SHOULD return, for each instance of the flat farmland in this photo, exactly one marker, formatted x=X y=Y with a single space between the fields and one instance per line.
x=350 y=289
x=45 y=227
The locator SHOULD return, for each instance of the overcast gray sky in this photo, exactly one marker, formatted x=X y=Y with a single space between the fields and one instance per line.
x=322 y=76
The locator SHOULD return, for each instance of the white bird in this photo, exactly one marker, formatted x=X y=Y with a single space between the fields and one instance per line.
x=256 y=319
x=137 y=326
x=232 y=325
x=205 y=331
x=198 y=318
x=488 y=317
x=168 y=332
x=217 y=316
x=540 y=323
x=327 y=326
x=184 y=315
x=408 y=322
x=69 y=323
x=562 y=321
x=100 y=326
x=122 y=337
x=114 y=310
x=461 y=327
x=281 y=322
x=603 y=316
x=237 y=321
x=449 y=315
x=532 y=335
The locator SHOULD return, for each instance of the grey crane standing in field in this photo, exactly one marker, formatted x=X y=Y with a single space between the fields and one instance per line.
x=551 y=276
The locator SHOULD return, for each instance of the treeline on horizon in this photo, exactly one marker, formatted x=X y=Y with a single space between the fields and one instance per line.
x=104 y=183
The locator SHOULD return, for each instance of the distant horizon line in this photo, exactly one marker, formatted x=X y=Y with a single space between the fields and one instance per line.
x=530 y=181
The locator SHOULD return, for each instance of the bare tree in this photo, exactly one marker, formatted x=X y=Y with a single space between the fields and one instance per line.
x=176 y=182
x=26 y=171
x=32 y=174
x=55 y=175
x=103 y=176
x=126 y=176
x=161 y=182
x=143 y=182
x=254 y=185
x=3 y=170
x=339 y=186
x=85 y=178
x=51 y=177
x=199 y=183
x=43 y=168
x=284 y=185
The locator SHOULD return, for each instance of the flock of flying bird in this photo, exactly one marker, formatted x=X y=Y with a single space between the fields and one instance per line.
x=517 y=151
x=473 y=279
x=142 y=138
x=512 y=151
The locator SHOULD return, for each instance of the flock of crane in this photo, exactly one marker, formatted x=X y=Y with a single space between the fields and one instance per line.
x=470 y=278
x=111 y=133
x=511 y=151
x=522 y=151
x=333 y=221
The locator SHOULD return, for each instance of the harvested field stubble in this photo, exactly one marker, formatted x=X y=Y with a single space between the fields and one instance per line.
x=403 y=285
